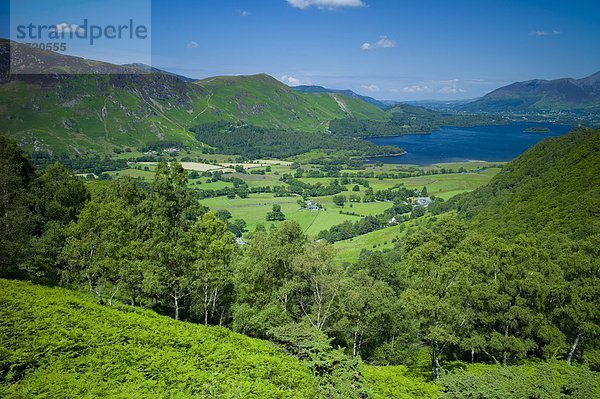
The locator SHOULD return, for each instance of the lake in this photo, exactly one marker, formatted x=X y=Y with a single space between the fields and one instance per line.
x=498 y=143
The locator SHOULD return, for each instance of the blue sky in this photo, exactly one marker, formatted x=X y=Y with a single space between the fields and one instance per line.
x=394 y=49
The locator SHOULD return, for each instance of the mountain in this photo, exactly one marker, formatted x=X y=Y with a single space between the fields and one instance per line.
x=439 y=105
x=537 y=95
x=347 y=93
x=149 y=69
x=106 y=106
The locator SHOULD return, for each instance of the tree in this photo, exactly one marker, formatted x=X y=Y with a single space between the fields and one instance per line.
x=223 y=214
x=170 y=211
x=265 y=281
x=424 y=192
x=97 y=247
x=237 y=227
x=369 y=195
x=213 y=250
x=417 y=212
x=56 y=198
x=16 y=173
x=435 y=293
x=364 y=315
x=316 y=271
x=275 y=214
x=339 y=200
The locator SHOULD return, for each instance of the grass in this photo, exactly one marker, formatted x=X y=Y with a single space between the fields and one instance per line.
x=254 y=210
x=349 y=250
x=134 y=173
x=446 y=186
x=440 y=185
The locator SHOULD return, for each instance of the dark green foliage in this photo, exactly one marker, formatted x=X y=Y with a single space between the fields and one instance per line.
x=237 y=227
x=57 y=196
x=339 y=200
x=15 y=175
x=406 y=119
x=82 y=164
x=162 y=145
x=256 y=142
x=275 y=214
x=34 y=211
x=552 y=189
x=417 y=212
x=295 y=186
x=348 y=229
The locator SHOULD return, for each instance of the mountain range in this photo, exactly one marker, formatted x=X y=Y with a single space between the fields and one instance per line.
x=104 y=106
x=80 y=106
x=537 y=95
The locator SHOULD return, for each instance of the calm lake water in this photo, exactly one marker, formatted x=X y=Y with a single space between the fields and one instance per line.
x=459 y=144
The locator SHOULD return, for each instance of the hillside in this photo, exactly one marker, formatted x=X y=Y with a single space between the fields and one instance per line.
x=552 y=189
x=542 y=95
x=407 y=119
x=108 y=106
x=347 y=93
x=81 y=349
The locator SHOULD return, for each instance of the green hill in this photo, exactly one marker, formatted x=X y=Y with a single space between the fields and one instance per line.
x=116 y=106
x=552 y=189
x=407 y=119
x=58 y=343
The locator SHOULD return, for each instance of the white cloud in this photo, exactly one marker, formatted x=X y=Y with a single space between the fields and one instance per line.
x=191 y=44
x=451 y=89
x=545 y=33
x=68 y=28
x=383 y=42
x=325 y=4
x=371 y=88
x=416 y=89
x=290 y=80
x=244 y=13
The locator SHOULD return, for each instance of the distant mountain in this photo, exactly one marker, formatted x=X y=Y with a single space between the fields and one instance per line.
x=108 y=106
x=439 y=105
x=565 y=94
x=347 y=93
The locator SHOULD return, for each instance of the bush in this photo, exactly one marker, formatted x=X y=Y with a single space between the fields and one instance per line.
x=58 y=343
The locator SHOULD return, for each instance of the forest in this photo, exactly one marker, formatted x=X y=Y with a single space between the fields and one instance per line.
x=259 y=142
x=497 y=286
x=406 y=118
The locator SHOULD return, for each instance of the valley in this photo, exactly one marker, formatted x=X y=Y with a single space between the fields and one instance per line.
x=297 y=205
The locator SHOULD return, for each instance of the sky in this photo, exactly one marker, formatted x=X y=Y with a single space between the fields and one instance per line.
x=387 y=49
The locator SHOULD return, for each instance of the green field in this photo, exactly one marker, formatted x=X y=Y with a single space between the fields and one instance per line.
x=254 y=210
x=447 y=186
x=349 y=250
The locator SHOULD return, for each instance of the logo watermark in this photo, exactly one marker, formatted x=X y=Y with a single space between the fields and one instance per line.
x=89 y=37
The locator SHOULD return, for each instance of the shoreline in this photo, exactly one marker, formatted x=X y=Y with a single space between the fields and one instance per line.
x=398 y=154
